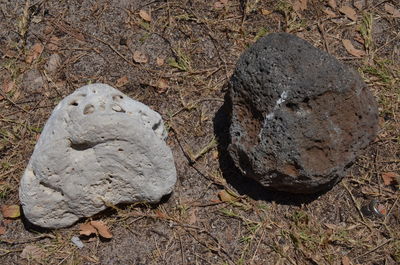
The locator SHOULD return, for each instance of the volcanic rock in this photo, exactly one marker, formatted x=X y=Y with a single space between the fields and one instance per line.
x=299 y=116
x=98 y=148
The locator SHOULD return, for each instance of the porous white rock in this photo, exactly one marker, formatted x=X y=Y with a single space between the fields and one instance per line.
x=99 y=147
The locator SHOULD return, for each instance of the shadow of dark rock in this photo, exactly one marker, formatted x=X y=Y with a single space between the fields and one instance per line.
x=243 y=184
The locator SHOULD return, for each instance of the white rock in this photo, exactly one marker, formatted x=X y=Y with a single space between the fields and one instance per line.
x=99 y=147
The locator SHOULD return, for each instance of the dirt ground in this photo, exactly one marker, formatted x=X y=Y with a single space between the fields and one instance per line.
x=177 y=56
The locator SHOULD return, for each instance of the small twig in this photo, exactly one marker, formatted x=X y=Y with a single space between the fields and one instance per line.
x=182 y=255
x=213 y=143
x=354 y=201
x=30 y=240
x=8 y=251
x=390 y=210
x=12 y=102
x=192 y=105
x=258 y=245
x=374 y=249
x=322 y=31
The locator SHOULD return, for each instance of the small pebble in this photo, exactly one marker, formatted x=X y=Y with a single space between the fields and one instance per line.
x=77 y=242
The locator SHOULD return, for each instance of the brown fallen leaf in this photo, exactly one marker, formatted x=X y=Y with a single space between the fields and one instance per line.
x=10 y=211
x=31 y=252
x=145 y=15
x=346 y=260
x=331 y=226
x=265 y=12
x=8 y=86
x=332 y=4
x=390 y=178
x=54 y=43
x=359 y=4
x=10 y=54
x=162 y=86
x=300 y=5
x=330 y=13
x=392 y=10
x=192 y=216
x=102 y=229
x=225 y=196
x=349 y=12
x=218 y=5
x=87 y=229
x=160 y=61
x=122 y=81
x=350 y=49
x=34 y=53
x=140 y=57
x=2 y=230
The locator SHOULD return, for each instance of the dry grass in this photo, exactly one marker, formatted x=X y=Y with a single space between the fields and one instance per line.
x=199 y=45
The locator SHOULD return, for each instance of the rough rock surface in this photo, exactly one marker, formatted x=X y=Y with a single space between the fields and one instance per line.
x=99 y=147
x=299 y=116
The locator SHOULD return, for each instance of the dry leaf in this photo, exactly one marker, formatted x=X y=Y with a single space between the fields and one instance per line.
x=330 y=13
x=8 y=86
x=331 y=226
x=390 y=178
x=53 y=44
x=162 y=86
x=346 y=260
x=218 y=5
x=192 y=216
x=87 y=229
x=359 y=39
x=145 y=15
x=122 y=81
x=350 y=49
x=392 y=10
x=10 y=54
x=159 y=61
x=2 y=230
x=349 y=12
x=359 y=4
x=225 y=196
x=102 y=229
x=332 y=4
x=34 y=53
x=10 y=211
x=32 y=252
x=300 y=5
x=140 y=57
x=265 y=12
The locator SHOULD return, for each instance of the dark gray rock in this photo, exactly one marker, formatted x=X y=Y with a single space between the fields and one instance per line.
x=299 y=116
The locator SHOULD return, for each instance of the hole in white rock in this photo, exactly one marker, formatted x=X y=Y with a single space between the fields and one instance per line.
x=120 y=149
x=88 y=109
x=74 y=103
x=117 y=108
x=81 y=146
x=117 y=97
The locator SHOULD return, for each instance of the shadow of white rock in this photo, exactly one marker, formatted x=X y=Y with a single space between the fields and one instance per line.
x=99 y=147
